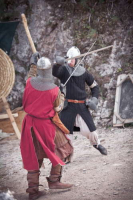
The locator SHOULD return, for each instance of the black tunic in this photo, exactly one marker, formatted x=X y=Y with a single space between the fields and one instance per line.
x=75 y=89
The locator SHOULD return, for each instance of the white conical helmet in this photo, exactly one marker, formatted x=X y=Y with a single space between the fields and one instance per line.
x=43 y=63
x=72 y=52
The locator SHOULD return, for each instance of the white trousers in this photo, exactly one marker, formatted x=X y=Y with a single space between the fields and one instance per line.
x=84 y=130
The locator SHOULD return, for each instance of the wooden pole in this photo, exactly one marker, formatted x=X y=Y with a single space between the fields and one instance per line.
x=30 y=41
x=85 y=54
x=28 y=33
x=11 y=117
x=5 y=116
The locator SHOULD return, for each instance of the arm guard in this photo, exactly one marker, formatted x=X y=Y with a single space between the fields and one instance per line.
x=32 y=71
x=59 y=102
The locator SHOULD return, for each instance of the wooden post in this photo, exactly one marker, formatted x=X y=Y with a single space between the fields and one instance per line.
x=85 y=54
x=5 y=116
x=11 y=117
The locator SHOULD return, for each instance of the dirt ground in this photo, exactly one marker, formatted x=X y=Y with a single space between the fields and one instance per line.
x=95 y=176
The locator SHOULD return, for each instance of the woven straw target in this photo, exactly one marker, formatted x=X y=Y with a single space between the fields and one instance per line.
x=7 y=74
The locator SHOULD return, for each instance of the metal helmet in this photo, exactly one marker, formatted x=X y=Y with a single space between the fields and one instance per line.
x=43 y=63
x=72 y=52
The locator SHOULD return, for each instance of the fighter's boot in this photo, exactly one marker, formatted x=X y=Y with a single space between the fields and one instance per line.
x=102 y=149
x=55 y=177
x=33 y=185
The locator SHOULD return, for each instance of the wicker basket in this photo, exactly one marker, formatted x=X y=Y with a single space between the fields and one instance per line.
x=7 y=74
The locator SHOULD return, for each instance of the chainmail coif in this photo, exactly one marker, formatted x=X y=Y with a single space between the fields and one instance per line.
x=44 y=81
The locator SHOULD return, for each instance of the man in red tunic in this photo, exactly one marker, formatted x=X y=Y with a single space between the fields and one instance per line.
x=41 y=138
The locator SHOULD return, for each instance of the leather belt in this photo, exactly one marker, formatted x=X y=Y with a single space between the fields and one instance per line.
x=38 y=117
x=75 y=101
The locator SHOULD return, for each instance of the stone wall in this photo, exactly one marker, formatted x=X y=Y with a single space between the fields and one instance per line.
x=55 y=27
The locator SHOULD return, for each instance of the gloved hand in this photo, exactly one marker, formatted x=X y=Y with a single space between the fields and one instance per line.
x=60 y=60
x=92 y=103
x=62 y=89
x=34 y=58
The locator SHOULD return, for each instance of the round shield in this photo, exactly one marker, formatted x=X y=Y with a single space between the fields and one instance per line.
x=7 y=74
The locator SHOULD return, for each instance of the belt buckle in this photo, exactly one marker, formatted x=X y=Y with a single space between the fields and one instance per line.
x=76 y=101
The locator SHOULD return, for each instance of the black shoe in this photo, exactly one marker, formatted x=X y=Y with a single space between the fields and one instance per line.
x=101 y=149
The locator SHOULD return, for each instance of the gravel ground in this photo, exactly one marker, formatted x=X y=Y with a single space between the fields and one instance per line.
x=95 y=176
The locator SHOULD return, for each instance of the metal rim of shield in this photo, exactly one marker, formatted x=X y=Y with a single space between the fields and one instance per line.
x=7 y=74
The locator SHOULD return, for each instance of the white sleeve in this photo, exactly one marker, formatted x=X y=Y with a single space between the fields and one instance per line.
x=94 y=84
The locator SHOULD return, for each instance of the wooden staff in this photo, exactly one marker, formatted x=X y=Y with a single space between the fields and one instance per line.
x=30 y=41
x=28 y=33
x=85 y=54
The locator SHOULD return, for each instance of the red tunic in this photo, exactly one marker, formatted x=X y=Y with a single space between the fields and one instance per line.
x=39 y=105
